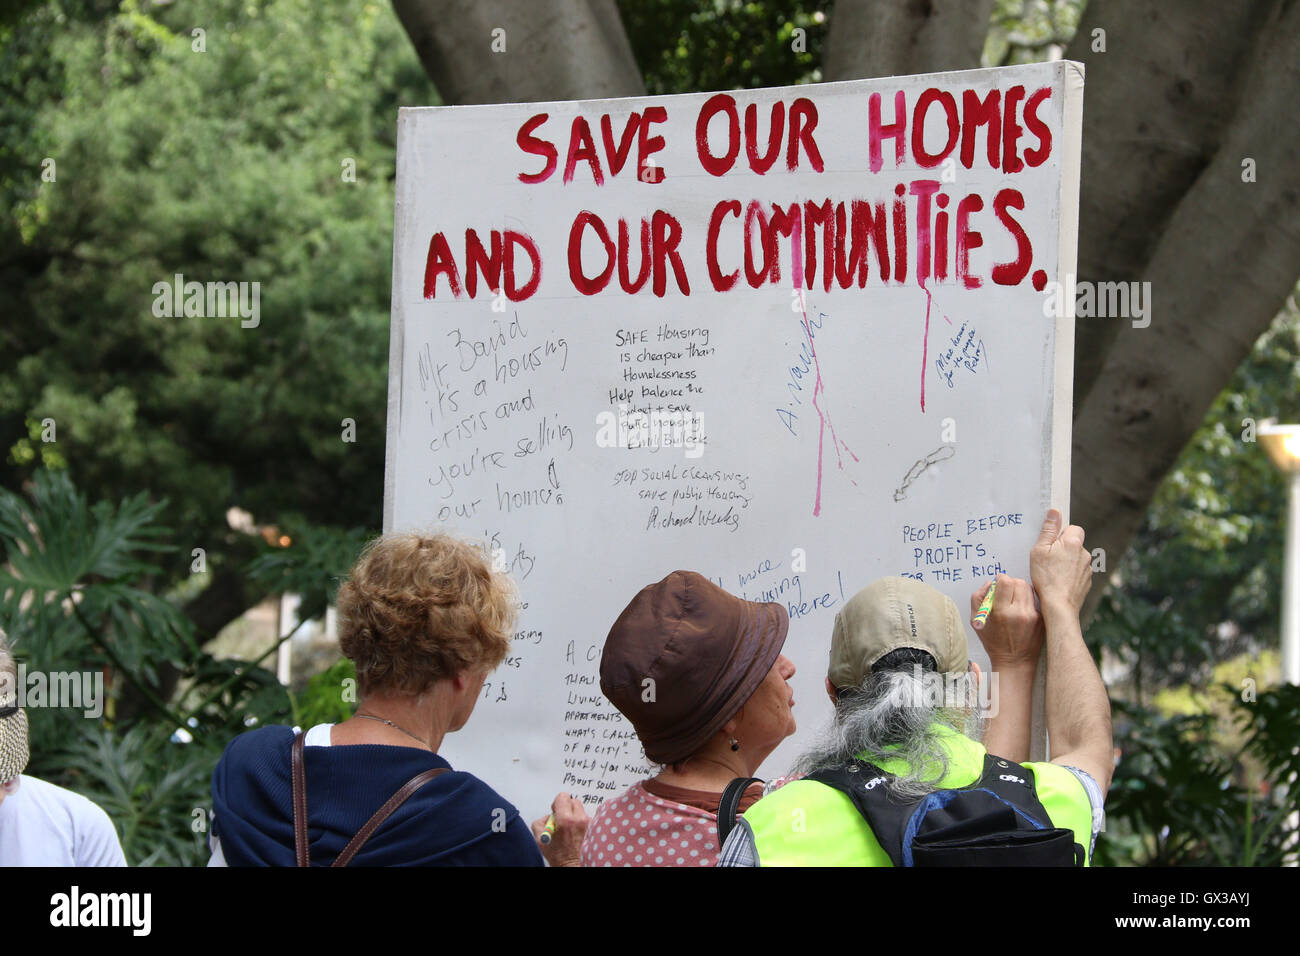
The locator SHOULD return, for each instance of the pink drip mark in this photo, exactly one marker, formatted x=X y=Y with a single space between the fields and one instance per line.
x=925 y=345
x=796 y=257
x=823 y=416
x=925 y=342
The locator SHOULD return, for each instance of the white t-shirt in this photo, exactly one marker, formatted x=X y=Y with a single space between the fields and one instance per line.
x=45 y=825
x=318 y=736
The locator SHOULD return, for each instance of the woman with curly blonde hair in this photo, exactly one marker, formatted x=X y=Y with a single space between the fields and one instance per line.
x=425 y=619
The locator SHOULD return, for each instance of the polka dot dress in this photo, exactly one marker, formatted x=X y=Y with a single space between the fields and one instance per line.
x=639 y=829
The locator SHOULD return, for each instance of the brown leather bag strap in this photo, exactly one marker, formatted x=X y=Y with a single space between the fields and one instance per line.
x=384 y=812
x=302 y=856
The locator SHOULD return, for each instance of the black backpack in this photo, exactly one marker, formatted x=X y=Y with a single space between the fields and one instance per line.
x=996 y=821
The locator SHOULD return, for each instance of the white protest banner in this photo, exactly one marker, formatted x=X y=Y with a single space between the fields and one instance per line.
x=793 y=339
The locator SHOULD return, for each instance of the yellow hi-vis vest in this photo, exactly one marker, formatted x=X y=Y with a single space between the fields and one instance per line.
x=806 y=823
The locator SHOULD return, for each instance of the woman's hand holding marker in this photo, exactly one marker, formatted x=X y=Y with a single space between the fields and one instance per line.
x=560 y=834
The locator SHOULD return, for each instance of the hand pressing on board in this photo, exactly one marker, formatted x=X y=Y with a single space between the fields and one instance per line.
x=570 y=827
x=1060 y=566
x=1077 y=708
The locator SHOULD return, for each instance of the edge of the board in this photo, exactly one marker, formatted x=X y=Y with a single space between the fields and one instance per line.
x=397 y=323
x=1072 y=75
x=949 y=75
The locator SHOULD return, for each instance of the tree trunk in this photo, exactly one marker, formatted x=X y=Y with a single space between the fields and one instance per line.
x=1156 y=108
x=887 y=38
x=558 y=50
x=1168 y=121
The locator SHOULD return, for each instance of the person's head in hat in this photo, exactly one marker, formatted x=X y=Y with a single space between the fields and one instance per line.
x=699 y=674
x=14 y=751
x=899 y=678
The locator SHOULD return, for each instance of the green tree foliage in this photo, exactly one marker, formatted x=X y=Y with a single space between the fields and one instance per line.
x=685 y=47
x=329 y=697
x=73 y=604
x=1024 y=31
x=69 y=583
x=1176 y=800
x=311 y=568
x=75 y=600
x=222 y=156
x=1201 y=585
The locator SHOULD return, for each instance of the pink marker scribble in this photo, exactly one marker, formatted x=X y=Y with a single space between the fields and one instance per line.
x=796 y=255
x=925 y=343
x=823 y=415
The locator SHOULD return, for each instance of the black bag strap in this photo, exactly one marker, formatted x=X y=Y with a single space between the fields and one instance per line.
x=867 y=786
x=730 y=803
x=1014 y=783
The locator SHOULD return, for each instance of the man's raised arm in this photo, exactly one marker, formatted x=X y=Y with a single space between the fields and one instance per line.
x=1078 y=710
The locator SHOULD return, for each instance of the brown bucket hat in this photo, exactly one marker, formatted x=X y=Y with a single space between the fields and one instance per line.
x=684 y=657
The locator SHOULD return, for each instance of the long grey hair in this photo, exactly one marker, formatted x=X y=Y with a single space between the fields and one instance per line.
x=894 y=714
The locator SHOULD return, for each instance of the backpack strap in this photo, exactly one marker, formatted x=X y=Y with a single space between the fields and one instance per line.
x=867 y=786
x=1014 y=783
x=729 y=804
x=301 y=851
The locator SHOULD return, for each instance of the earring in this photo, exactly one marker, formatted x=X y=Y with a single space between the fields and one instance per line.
x=735 y=745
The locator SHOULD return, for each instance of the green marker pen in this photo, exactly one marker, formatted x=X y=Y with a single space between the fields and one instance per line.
x=982 y=614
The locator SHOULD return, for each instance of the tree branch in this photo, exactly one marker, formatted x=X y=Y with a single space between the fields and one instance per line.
x=559 y=50
x=1223 y=263
x=887 y=38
